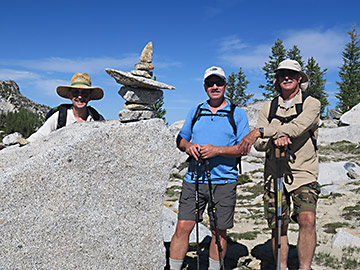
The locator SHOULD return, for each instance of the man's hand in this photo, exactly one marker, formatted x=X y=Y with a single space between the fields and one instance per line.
x=282 y=142
x=193 y=149
x=208 y=151
x=248 y=141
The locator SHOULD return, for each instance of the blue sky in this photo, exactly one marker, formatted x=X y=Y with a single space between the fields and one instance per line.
x=43 y=43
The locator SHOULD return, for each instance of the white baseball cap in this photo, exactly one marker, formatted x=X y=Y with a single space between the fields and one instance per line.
x=214 y=71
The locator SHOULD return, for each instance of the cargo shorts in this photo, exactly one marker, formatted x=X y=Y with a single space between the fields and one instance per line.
x=224 y=200
x=304 y=199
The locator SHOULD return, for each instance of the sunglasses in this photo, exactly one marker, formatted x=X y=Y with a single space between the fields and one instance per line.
x=287 y=73
x=83 y=93
x=218 y=83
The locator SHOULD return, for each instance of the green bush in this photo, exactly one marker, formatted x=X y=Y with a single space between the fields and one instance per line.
x=23 y=121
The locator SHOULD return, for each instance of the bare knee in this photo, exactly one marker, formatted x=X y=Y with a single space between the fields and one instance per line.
x=307 y=220
x=184 y=227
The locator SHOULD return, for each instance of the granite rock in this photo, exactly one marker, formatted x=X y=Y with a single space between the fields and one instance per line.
x=126 y=78
x=89 y=196
x=140 y=95
x=144 y=66
x=129 y=116
x=142 y=73
x=351 y=117
x=135 y=106
x=11 y=138
x=147 y=53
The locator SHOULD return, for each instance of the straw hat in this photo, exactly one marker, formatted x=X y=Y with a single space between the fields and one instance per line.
x=80 y=80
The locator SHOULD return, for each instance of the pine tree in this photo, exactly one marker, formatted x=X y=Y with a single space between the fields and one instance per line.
x=278 y=55
x=349 y=74
x=294 y=54
x=24 y=121
x=235 y=92
x=158 y=108
x=317 y=83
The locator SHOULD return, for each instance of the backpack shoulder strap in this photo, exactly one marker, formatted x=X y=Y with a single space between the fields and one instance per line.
x=273 y=108
x=299 y=106
x=94 y=113
x=196 y=116
x=62 y=115
x=231 y=117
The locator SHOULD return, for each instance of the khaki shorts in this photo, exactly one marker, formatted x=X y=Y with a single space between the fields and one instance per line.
x=304 y=200
x=224 y=199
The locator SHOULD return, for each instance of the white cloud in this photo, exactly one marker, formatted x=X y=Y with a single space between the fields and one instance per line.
x=48 y=87
x=231 y=43
x=253 y=58
x=89 y=65
x=324 y=45
x=12 y=74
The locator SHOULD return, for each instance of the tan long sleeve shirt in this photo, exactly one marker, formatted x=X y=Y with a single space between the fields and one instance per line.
x=305 y=169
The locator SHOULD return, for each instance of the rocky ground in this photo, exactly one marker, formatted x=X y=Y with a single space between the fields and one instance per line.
x=249 y=244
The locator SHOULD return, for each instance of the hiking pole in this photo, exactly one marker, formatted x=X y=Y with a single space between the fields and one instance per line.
x=280 y=158
x=213 y=213
x=197 y=215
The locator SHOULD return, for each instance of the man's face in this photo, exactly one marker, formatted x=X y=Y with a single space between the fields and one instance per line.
x=79 y=97
x=289 y=80
x=215 y=87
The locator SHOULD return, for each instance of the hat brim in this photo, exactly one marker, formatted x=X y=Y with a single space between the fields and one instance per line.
x=304 y=83
x=96 y=92
x=303 y=75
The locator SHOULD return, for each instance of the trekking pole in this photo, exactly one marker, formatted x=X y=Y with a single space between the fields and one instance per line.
x=213 y=213
x=280 y=158
x=197 y=215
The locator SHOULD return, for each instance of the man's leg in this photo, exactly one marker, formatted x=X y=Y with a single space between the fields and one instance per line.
x=226 y=194
x=305 y=200
x=284 y=248
x=307 y=239
x=180 y=240
x=214 y=251
x=270 y=214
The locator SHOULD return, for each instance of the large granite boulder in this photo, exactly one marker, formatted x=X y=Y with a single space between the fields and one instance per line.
x=348 y=133
x=252 y=111
x=351 y=117
x=89 y=196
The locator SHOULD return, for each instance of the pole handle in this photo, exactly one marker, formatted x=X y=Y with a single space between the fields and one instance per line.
x=279 y=152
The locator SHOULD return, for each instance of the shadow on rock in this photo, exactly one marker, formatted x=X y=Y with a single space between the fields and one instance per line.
x=264 y=253
x=234 y=252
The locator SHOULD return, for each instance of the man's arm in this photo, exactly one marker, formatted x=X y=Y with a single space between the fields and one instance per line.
x=192 y=149
x=49 y=126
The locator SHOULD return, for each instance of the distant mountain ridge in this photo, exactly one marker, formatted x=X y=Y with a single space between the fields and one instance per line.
x=12 y=100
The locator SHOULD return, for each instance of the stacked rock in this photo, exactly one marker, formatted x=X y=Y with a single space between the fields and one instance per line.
x=140 y=91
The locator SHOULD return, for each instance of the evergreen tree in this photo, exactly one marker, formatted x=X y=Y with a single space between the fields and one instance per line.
x=317 y=83
x=235 y=92
x=158 y=108
x=24 y=121
x=294 y=54
x=349 y=74
x=278 y=55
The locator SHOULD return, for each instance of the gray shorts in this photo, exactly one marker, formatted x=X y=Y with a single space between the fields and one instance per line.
x=224 y=199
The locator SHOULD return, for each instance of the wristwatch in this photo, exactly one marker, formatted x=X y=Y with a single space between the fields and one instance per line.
x=261 y=130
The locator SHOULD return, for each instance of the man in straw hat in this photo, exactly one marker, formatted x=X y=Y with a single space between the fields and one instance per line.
x=208 y=136
x=80 y=92
x=290 y=123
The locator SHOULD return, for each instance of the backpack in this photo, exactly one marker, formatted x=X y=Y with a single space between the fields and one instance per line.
x=223 y=113
x=62 y=108
x=287 y=119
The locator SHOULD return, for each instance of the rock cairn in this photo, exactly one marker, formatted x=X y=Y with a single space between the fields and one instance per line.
x=139 y=90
